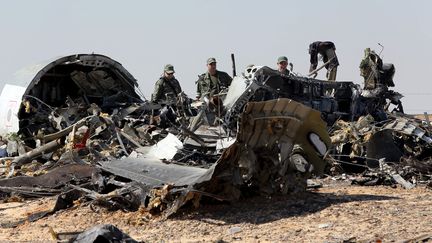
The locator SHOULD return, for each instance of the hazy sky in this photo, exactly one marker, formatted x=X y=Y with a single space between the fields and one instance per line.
x=144 y=36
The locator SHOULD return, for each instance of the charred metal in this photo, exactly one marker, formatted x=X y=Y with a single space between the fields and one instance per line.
x=85 y=129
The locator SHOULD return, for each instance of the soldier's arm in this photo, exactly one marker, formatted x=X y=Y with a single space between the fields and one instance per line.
x=313 y=56
x=313 y=61
x=198 y=94
x=226 y=79
x=157 y=94
x=363 y=63
x=178 y=87
x=325 y=58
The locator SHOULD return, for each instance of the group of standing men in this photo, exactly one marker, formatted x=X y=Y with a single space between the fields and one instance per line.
x=210 y=83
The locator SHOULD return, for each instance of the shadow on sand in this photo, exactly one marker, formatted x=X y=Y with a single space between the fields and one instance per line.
x=260 y=210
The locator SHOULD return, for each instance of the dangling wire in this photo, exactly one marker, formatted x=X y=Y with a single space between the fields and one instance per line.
x=40 y=101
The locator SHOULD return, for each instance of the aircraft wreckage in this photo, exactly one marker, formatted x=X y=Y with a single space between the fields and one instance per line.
x=85 y=133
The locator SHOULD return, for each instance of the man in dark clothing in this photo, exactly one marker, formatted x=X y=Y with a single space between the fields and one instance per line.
x=327 y=50
x=212 y=81
x=167 y=87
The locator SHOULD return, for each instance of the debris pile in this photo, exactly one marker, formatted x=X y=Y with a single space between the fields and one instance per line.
x=396 y=150
x=86 y=136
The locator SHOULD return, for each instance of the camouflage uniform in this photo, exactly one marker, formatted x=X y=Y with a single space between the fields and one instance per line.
x=208 y=85
x=369 y=69
x=378 y=76
x=166 y=90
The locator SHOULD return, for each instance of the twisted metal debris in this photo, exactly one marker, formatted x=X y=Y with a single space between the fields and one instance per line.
x=86 y=134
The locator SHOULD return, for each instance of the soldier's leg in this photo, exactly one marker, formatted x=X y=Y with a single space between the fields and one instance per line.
x=331 y=73
x=332 y=68
x=331 y=76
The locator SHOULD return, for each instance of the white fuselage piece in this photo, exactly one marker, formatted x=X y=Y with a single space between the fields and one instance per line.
x=10 y=100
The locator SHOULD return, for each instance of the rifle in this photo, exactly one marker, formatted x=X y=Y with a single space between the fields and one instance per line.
x=233 y=65
x=320 y=67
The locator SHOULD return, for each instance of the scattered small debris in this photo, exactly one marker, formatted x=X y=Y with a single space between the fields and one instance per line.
x=87 y=135
x=234 y=230
x=322 y=226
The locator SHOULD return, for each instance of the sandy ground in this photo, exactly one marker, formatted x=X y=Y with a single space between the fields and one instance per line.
x=334 y=213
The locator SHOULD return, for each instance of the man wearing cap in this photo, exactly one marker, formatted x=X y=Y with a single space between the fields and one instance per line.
x=212 y=81
x=167 y=87
x=327 y=50
x=282 y=63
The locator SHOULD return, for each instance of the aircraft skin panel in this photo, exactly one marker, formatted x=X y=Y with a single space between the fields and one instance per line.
x=10 y=100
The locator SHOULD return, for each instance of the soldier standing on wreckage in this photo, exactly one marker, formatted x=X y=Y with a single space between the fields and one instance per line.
x=377 y=76
x=282 y=63
x=167 y=87
x=213 y=81
x=327 y=50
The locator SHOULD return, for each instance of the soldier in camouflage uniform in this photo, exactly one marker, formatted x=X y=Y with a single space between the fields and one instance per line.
x=369 y=69
x=378 y=76
x=167 y=87
x=212 y=81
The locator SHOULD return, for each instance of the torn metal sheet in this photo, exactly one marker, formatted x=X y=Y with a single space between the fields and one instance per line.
x=259 y=157
x=382 y=145
x=207 y=137
x=237 y=88
x=165 y=148
x=406 y=127
x=55 y=178
x=103 y=233
x=402 y=181
x=152 y=171
x=224 y=143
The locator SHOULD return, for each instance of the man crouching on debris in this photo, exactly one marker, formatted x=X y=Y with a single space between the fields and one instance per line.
x=213 y=81
x=167 y=88
x=327 y=50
